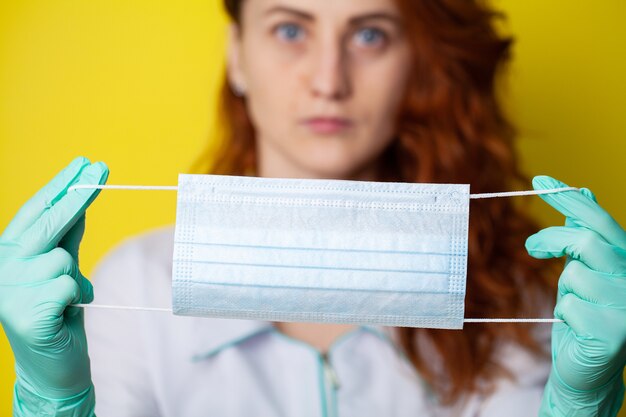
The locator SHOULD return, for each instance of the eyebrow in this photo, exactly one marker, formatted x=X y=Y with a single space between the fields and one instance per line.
x=353 y=21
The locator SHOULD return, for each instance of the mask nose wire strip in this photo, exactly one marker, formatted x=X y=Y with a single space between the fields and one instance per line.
x=471 y=196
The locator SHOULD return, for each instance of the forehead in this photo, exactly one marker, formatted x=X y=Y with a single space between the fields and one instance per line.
x=336 y=10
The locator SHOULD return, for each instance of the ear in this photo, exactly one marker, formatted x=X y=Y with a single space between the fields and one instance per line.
x=235 y=73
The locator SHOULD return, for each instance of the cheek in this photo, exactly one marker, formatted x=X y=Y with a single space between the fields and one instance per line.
x=270 y=97
x=380 y=91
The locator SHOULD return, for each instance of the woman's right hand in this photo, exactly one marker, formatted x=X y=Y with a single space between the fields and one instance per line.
x=39 y=278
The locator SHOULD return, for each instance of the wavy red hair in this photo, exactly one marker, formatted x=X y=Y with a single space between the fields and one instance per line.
x=451 y=129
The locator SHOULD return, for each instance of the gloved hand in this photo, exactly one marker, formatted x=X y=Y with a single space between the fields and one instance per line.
x=39 y=278
x=589 y=348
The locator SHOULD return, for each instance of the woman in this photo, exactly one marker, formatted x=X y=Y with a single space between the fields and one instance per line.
x=356 y=89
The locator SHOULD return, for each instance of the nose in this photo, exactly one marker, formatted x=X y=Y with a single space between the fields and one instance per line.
x=330 y=73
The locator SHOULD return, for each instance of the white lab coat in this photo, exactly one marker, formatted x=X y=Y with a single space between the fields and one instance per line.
x=158 y=364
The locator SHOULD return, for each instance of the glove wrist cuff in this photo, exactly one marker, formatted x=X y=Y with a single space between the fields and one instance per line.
x=561 y=400
x=26 y=404
x=67 y=388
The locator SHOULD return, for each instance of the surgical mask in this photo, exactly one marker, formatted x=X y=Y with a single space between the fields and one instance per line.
x=326 y=251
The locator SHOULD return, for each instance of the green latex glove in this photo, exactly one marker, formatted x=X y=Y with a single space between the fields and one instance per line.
x=589 y=348
x=39 y=278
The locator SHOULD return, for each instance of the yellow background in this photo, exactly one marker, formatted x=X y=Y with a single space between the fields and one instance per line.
x=133 y=83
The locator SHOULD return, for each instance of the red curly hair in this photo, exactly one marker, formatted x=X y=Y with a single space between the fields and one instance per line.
x=451 y=129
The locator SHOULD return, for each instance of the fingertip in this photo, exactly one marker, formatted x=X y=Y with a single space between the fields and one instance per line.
x=80 y=161
x=539 y=247
x=66 y=289
x=537 y=254
x=543 y=182
x=66 y=177
x=540 y=182
x=104 y=169
x=68 y=292
x=83 y=296
x=529 y=244
x=563 y=307
x=102 y=165
x=534 y=243
x=96 y=173
x=76 y=166
x=587 y=193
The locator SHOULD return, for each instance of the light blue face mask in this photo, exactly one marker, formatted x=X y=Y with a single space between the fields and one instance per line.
x=325 y=251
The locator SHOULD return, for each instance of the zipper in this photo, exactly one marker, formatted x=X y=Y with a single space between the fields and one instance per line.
x=327 y=376
x=330 y=386
x=329 y=371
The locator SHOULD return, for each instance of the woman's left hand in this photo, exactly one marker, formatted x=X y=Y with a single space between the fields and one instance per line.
x=589 y=347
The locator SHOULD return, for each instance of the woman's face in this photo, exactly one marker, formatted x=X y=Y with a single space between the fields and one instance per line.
x=323 y=82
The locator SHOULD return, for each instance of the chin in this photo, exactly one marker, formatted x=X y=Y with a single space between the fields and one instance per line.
x=331 y=169
x=338 y=158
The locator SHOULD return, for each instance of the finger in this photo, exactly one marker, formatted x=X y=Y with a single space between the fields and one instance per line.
x=71 y=241
x=587 y=192
x=72 y=293
x=32 y=271
x=39 y=315
x=592 y=286
x=65 y=291
x=86 y=295
x=578 y=243
x=52 y=226
x=52 y=298
x=44 y=199
x=582 y=210
x=24 y=271
x=583 y=317
x=63 y=263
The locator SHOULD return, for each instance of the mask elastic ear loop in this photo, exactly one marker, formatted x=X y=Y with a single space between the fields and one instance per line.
x=169 y=310
x=175 y=188
x=471 y=196
x=116 y=307
x=520 y=193
x=121 y=187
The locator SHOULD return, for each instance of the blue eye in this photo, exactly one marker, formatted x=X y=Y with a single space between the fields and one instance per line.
x=370 y=36
x=289 y=32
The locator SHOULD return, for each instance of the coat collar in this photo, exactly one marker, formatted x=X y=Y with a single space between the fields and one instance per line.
x=218 y=334
x=227 y=333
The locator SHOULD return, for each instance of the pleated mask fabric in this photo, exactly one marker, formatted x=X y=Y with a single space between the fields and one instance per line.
x=326 y=251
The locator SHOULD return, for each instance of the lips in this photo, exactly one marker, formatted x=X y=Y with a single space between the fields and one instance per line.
x=327 y=125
